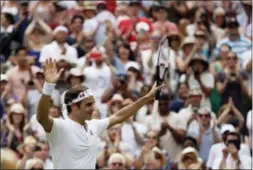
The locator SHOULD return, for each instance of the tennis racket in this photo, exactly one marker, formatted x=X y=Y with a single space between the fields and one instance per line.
x=162 y=68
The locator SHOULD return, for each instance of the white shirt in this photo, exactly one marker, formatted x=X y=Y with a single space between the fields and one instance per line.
x=47 y=164
x=231 y=163
x=216 y=152
x=71 y=146
x=249 y=127
x=54 y=51
x=167 y=141
x=89 y=26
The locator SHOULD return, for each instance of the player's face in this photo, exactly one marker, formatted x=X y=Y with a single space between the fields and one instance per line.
x=87 y=108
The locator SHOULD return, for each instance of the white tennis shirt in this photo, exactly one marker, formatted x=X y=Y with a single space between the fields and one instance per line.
x=71 y=146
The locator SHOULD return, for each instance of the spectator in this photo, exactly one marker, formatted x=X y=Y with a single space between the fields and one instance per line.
x=181 y=100
x=217 y=149
x=190 y=142
x=59 y=47
x=189 y=160
x=231 y=156
x=154 y=159
x=90 y=24
x=237 y=42
x=35 y=164
x=19 y=76
x=206 y=132
x=116 y=161
x=76 y=34
x=218 y=27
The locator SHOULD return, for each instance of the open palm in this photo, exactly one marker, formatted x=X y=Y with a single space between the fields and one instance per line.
x=50 y=71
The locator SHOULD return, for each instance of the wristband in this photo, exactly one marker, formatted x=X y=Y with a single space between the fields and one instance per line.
x=48 y=88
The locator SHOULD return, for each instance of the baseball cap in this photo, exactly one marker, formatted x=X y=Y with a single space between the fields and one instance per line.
x=76 y=72
x=227 y=128
x=133 y=64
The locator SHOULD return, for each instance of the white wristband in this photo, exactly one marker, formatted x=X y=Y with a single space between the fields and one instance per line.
x=48 y=88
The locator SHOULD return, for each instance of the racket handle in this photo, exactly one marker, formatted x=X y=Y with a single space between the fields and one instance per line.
x=154 y=112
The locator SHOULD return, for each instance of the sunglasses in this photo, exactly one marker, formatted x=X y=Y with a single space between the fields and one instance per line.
x=232 y=58
x=207 y=116
x=189 y=157
x=117 y=163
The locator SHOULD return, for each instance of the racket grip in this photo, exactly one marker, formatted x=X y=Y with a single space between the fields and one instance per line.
x=155 y=111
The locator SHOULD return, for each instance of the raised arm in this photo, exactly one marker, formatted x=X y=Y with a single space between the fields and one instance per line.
x=131 y=109
x=51 y=77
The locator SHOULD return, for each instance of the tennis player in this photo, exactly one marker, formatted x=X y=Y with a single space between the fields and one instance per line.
x=74 y=141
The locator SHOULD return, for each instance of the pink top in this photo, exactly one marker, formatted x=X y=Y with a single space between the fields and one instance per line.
x=165 y=27
x=15 y=76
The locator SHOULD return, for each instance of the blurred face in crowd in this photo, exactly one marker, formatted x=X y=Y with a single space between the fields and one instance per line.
x=60 y=37
x=175 y=42
x=189 y=143
x=124 y=53
x=88 y=44
x=189 y=158
x=4 y=21
x=231 y=60
x=200 y=39
x=41 y=151
x=17 y=118
x=54 y=112
x=198 y=66
x=162 y=14
x=219 y=20
x=187 y=49
x=41 y=78
x=144 y=90
x=36 y=35
x=116 y=106
x=233 y=32
x=224 y=52
x=3 y=84
x=121 y=10
x=89 y=13
x=205 y=119
x=152 y=161
x=195 y=100
x=163 y=107
x=77 y=24
x=117 y=163
x=21 y=58
x=75 y=80
x=133 y=10
x=113 y=132
x=152 y=138
x=183 y=91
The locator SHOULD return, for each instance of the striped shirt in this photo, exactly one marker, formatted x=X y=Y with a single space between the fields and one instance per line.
x=238 y=46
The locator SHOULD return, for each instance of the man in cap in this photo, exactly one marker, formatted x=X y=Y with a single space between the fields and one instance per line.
x=216 y=150
x=79 y=147
x=59 y=47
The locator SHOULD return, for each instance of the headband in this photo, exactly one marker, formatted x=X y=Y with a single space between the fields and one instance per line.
x=83 y=95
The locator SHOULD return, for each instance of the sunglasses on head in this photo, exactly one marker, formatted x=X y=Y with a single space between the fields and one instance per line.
x=117 y=163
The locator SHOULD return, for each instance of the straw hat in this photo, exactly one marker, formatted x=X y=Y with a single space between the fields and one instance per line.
x=88 y=5
x=201 y=59
x=188 y=40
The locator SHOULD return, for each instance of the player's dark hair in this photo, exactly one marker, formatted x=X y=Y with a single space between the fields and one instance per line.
x=72 y=94
x=20 y=49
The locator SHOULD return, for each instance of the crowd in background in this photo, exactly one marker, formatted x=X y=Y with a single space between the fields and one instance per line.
x=111 y=47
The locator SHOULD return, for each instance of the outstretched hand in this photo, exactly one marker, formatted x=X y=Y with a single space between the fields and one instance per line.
x=51 y=73
x=152 y=92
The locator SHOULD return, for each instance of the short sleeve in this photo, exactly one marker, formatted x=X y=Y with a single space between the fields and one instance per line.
x=102 y=125
x=216 y=163
x=58 y=128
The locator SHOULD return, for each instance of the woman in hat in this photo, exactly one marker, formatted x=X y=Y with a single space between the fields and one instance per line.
x=189 y=160
x=175 y=42
x=16 y=127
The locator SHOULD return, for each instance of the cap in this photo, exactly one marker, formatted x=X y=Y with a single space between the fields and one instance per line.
x=204 y=111
x=88 y=5
x=76 y=72
x=219 y=12
x=60 y=28
x=17 y=108
x=142 y=26
x=227 y=128
x=117 y=97
x=3 y=77
x=195 y=92
x=189 y=150
x=188 y=40
x=132 y=64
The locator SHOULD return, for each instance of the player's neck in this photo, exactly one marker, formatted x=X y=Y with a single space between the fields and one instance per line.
x=76 y=119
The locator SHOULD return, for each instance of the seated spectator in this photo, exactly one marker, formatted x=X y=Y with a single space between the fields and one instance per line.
x=116 y=161
x=154 y=159
x=181 y=100
x=76 y=34
x=190 y=142
x=17 y=127
x=35 y=163
x=189 y=160
x=231 y=158
x=218 y=27
x=217 y=149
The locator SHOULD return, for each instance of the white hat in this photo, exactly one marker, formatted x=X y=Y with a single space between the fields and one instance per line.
x=189 y=150
x=188 y=40
x=227 y=127
x=60 y=28
x=204 y=110
x=133 y=64
x=76 y=72
x=142 y=26
x=3 y=77
x=117 y=97
x=17 y=108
